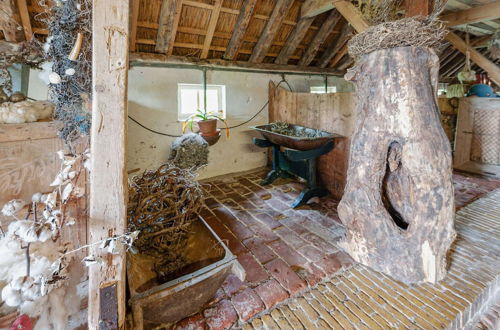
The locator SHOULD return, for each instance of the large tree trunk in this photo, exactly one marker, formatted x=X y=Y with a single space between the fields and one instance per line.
x=398 y=204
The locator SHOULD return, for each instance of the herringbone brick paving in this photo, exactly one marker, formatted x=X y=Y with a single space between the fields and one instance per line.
x=287 y=252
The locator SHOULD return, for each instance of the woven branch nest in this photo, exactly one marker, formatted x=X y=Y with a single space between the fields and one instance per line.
x=411 y=31
x=161 y=205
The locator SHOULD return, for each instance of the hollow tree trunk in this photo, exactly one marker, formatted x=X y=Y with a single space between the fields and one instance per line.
x=398 y=205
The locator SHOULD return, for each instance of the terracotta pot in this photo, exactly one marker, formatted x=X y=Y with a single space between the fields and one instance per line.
x=208 y=127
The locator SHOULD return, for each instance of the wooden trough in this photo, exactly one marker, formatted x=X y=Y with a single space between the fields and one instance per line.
x=209 y=263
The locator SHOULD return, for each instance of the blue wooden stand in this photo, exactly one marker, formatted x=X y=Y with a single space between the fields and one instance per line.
x=290 y=162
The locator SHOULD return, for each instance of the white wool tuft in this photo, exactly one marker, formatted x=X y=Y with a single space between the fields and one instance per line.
x=25 y=111
x=13 y=207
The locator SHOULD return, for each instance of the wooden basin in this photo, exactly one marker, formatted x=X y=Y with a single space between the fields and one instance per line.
x=209 y=263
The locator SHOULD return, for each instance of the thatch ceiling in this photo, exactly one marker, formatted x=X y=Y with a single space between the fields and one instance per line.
x=208 y=29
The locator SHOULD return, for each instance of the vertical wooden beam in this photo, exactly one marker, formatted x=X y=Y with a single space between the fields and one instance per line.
x=166 y=36
x=240 y=28
x=25 y=19
x=418 y=8
x=272 y=26
x=134 y=17
x=294 y=40
x=108 y=176
x=332 y=50
x=320 y=37
x=491 y=68
x=214 y=17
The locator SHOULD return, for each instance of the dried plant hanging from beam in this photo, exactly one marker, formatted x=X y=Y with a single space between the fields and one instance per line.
x=69 y=48
x=379 y=11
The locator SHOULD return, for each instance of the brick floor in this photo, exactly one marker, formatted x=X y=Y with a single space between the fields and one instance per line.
x=287 y=252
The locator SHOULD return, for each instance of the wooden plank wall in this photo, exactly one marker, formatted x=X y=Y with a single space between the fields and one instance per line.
x=29 y=164
x=333 y=112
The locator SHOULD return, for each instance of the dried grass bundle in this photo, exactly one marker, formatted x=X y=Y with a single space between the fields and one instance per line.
x=379 y=11
x=411 y=31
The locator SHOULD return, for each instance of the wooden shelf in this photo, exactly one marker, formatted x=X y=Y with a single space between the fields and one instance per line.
x=29 y=131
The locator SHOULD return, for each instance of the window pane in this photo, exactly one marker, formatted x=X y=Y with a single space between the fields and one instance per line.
x=188 y=101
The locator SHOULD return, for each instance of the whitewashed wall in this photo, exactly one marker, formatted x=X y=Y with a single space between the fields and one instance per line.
x=153 y=102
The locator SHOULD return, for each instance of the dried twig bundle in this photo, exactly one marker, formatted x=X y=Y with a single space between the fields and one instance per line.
x=162 y=205
x=379 y=11
x=412 y=31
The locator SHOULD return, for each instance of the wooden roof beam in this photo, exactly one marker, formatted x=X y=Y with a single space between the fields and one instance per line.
x=240 y=29
x=160 y=60
x=10 y=21
x=491 y=68
x=338 y=56
x=473 y=15
x=294 y=39
x=346 y=8
x=25 y=19
x=344 y=36
x=134 y=16
x=270 y=30
x=320 y=37
x=214 y=17
x=170 y=10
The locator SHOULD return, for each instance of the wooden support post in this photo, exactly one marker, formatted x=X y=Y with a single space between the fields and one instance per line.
x=418 y=8
x=108 y=176
x=214 y=17
x=272 y=26
x=294 y=40
x=240 y=29
x=320 y=37
x=491 y=68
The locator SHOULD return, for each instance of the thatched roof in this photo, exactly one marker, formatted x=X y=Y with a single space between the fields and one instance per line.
x=274 y=32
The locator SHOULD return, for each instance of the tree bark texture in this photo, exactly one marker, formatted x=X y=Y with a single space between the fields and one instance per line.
x=398 y=205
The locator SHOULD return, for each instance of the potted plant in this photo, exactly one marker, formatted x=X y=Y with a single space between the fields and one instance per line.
x=207 y=123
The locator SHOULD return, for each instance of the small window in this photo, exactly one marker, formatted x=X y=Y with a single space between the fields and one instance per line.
x=190 y=99
x=321 y=89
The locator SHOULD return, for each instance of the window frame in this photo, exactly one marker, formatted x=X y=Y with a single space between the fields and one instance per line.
x=221 y=98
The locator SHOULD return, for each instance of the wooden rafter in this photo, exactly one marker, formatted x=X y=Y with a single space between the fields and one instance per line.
x=478 y=58
x=166 y=35
x=341 y=53
x=320 y=37
x=294 y=40
x=473 y=15
x=270 y=30
x=178 y=11
x=148 y=59
x=240 y=28
x=344 y=36
x=214 y=17
x=133 y=25
x=352 y=15
x=25 y=19
x=108 y=174
x=311 y=8
x=10 y=21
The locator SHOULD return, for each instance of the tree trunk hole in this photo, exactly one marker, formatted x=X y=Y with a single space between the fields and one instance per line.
x=391 y=184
